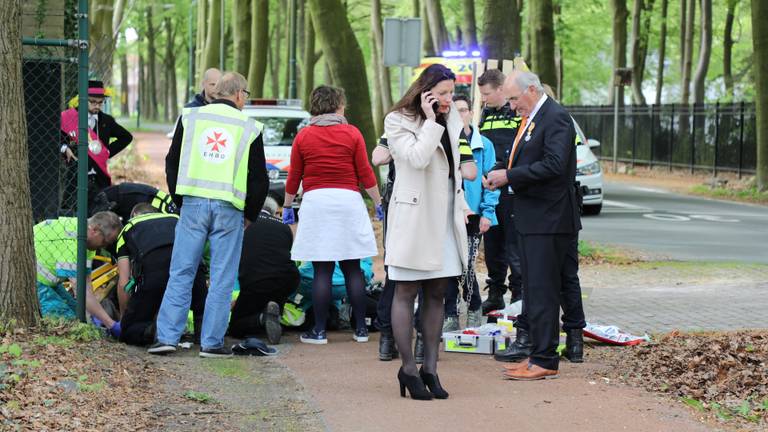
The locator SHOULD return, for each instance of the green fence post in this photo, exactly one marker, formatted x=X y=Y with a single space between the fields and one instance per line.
x=82 y=155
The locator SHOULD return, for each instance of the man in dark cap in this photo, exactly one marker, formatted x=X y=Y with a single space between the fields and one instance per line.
x=106 y=138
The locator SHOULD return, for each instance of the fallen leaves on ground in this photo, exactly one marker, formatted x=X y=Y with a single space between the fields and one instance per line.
x=723 y=374
x=61 y=377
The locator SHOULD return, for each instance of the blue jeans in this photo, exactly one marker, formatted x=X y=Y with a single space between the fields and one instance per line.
x=201 y=220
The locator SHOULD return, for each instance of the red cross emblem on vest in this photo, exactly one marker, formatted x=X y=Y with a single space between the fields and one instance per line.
x=217 y=140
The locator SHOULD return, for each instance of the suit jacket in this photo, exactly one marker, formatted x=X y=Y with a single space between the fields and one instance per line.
x=543 y=174
x=107 y=129
x=416 y=217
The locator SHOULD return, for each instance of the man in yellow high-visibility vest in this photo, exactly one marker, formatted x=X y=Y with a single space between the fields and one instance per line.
x=216 y=164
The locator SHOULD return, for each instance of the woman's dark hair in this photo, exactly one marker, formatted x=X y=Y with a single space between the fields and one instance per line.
x=326 y=99
x=410 y=103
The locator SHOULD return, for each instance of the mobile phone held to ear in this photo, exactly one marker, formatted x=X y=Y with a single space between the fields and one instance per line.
x=435 y=107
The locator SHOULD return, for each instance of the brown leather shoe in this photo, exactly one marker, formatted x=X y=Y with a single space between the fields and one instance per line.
x=531 y=373
x=517 y=365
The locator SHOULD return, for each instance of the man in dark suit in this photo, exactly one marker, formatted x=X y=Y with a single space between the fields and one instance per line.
x=540 y=172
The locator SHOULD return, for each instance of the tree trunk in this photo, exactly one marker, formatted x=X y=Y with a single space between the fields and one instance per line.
x=141 y=97
x=437 y=29
x=202 y=23
x=287 y=28
x=172 y=107
x=662 y=51
x=275 y=51
x=620 y=14
x=257 y=70
x=241 y=34
x=300 y=39
x=688 y=52
x=118 y=17
x=310 y=58
x=501 y=32
x=163 y=84
x=559 y=69
x=543 y=42
x=728 y=48
x=469 y=26
x=705 y=51
x=278 y=38
x=760 y=49
x=152 y=109
x=683 y=22
x=427 y=46
x=327 y=73
x=376 y=105
x=345 y=60
x=515 y=28
x=641 y=22
x=212 y=35
x=124 y=90
x=102 y=43
x=384 y=82
x=18 y=300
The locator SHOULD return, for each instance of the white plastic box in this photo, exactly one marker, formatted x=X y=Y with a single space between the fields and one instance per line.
x=468 y=343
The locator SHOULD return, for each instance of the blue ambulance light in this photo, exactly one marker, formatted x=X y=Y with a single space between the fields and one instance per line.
x=459 y=53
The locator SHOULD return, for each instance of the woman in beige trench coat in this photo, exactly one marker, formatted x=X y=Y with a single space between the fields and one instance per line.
x=426 y=240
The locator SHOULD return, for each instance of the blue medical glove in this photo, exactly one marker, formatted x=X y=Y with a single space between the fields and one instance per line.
x=289 y=218
x=97 y=322
x=115 y=330
x=379 y=212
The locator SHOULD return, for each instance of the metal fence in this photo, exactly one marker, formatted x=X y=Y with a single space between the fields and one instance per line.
x=711 y=137
x=54 y=71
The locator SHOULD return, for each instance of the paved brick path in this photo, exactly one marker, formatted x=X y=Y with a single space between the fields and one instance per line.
x=687 y=297
x=693 y=307
x=662 y=297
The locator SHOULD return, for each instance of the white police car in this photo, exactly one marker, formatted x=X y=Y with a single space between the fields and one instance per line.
x=588 y=173
x=282 y=119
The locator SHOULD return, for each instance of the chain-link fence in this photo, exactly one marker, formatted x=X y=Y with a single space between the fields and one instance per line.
x=712 y=137
x=54 y=72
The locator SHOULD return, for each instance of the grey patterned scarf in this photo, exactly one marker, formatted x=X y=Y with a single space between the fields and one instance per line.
x=329 y=119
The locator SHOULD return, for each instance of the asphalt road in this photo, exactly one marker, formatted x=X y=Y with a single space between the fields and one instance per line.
x=664 y=224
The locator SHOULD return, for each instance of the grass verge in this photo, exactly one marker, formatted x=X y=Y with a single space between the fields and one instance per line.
x=750 y=194
x=594 y=253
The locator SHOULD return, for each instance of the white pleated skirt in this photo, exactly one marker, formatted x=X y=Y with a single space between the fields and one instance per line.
x=451 y=259
x=334 y=225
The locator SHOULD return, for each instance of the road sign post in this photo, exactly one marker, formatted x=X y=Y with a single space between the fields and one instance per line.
x=402 y=45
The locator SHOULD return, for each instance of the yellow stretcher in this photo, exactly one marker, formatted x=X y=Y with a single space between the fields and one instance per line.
x=103 y=278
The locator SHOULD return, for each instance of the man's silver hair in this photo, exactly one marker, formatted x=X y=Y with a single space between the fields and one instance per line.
x=270 y=206
x=229 y=84
x=107 y=222
x=524 y=79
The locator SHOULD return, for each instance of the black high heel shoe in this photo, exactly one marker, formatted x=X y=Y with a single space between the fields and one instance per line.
x=433 y=383
x=415 y=386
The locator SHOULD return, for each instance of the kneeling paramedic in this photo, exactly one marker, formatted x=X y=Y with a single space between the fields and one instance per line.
x=144 y=249
x=56 y=257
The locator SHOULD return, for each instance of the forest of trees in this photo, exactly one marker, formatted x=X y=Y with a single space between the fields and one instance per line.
x=573 y=45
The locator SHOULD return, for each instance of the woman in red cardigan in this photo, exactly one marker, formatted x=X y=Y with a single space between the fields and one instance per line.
x=329 y=160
